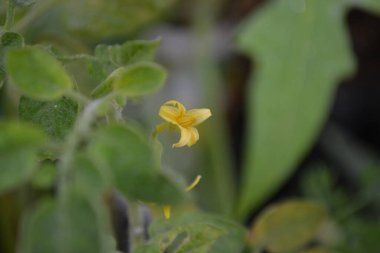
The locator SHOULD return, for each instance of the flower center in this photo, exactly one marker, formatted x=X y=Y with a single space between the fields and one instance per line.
x=186 y=121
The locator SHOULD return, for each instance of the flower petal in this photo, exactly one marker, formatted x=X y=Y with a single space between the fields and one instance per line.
x=176 y=104
x=169 y=113
x=167 y=211
x=185 y=138
x=199 y=115
x=194 y=136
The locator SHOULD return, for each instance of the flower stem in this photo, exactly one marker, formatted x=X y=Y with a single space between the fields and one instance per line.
x=10 y=15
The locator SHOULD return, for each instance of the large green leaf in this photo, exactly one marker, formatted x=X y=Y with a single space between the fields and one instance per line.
x=75 y=227
x=36 y=73
x=287 y=226
x=134 y=166
x=56 y=118
x=18 y=153
x=302 y=52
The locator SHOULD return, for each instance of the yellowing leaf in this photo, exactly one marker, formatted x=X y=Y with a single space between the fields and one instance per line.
x=287 y=226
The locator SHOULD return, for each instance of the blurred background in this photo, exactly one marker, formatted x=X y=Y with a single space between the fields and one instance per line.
x=293 y=88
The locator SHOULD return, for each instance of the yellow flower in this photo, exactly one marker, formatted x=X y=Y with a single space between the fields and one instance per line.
x=167 y=210
x=175 y=113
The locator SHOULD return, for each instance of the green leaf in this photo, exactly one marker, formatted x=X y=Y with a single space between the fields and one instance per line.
x=37 y=74
x=287 y=226
x=94 y=20
x=8 y=40
x=302 y=51
x=18 y=158
x=140 y=79
x=134 y=80
x=134 y=166
x=135 y=51
x=56 y=117
x=90 y=180
x=108 y=58
x=45 y=176
x=74 y=227
x=11 y=39
x=183 y=236
x=231 y=236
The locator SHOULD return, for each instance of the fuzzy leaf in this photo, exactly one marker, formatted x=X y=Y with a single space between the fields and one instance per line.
x=37 y=74
x=124 y=153
x=135 y=51
x=72 y=228
x=56 y=118
x=134 y=80
x=11 y=39
x=18 y=158
x=184 y=235
x=231 y=236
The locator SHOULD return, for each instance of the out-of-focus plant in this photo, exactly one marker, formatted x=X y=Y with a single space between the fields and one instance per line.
x=301 y=50
x=65 y=145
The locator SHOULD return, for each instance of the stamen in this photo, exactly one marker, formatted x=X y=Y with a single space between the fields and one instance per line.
x=194 y=183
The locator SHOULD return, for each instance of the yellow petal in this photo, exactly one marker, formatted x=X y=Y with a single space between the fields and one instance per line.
x=176 y=104
x=167 y=210
x=185 y=138
x=169 y=113
x=194 y=183
x=194 y=136
x=199 y=115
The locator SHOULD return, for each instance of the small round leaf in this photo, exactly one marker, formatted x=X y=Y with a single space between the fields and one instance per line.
x=137 y=79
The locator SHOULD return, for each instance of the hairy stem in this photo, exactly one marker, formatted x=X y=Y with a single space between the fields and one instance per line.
x=81 y=128
x=10 y=15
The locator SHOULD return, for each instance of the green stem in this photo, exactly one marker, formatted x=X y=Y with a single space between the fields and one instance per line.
x=40 y=7
x=81 y=129
x=79 y=97
x=70 y=58
x=10 y=15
